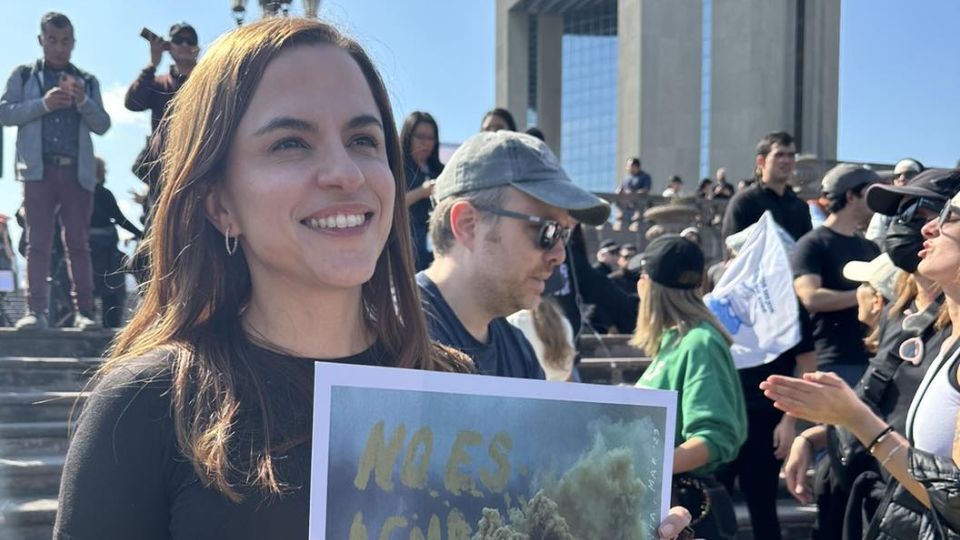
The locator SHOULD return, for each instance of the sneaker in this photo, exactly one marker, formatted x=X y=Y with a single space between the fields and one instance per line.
x=32 y=321
x=84 y=322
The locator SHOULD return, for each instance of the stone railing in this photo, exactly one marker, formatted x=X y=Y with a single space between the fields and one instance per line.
x=639 y=218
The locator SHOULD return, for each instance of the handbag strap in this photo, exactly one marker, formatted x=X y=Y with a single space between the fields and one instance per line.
x=879 y=375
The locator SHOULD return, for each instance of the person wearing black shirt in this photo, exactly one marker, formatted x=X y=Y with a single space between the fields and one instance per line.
x=420 y=142
x=279 y=243
x=770 y=434
x=722 y=189
x=818 y=263
x=109 y=281
x=776 y=158
x=607 y=257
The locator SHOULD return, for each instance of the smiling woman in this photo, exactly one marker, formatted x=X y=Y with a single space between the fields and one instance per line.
x=278 y=240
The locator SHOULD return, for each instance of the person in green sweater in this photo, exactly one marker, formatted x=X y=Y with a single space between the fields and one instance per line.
x=691 y=355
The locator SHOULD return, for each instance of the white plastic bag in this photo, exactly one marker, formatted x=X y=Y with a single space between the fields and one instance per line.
x=755 y=299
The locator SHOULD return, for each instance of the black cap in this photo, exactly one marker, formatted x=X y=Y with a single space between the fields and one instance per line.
x=609 y=244
x=183 y=27
x=935 y=184
x=845 y=177
x=673 y=261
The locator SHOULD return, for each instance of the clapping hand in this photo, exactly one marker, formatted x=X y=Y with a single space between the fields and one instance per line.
x=818 y=397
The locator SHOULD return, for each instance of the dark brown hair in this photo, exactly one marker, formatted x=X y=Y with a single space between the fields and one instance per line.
x=406 y=140
x=195 y=292
x=504 y=115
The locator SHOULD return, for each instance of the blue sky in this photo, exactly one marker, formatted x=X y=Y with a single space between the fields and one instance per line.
x=899 y=69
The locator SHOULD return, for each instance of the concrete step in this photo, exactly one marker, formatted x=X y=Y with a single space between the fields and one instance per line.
x=58 y=342
x=31 y=439
x=31 y=477
x=28 y=372
x=39 y=406
x=27 y=518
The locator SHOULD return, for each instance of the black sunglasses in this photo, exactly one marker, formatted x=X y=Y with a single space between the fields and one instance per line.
x=550 y=232
x=909 y=212
x=184 y=40
x=949 y=214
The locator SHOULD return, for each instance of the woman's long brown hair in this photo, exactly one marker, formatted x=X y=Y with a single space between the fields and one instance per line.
x=548 y=322
x=195 y=292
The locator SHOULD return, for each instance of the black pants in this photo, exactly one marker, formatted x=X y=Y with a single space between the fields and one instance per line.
x=831 y=498
x=759 y=472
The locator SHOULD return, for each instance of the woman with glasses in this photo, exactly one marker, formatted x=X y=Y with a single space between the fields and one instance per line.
x=923 y=501
x=420 y=143
x=691 y=355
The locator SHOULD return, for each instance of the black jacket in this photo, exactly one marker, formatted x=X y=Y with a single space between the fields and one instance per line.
x=901 y=516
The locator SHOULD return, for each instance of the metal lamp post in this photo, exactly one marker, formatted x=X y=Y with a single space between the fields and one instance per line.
x=311 y=8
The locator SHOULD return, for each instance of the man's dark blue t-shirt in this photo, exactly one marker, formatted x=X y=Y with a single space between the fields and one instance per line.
x=638 y=182
x=507 y=353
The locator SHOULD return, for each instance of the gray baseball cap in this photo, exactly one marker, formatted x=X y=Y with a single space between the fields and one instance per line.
x=507 y=158
x=845 y=177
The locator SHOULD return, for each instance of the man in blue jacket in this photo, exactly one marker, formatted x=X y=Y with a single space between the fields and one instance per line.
x=55 y=106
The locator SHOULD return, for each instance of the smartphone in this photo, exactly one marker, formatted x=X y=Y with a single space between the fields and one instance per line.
x=148 y=35
x=66 y=82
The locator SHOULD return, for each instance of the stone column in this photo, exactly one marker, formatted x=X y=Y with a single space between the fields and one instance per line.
x=511 y=60
x=549 y=77
x=658 y=92
x=754 y=79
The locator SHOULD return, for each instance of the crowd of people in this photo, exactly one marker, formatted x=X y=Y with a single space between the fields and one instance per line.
x=287 y=220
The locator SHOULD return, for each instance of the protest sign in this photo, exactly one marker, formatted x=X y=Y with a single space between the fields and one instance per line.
x=755 y=300
x=406 y=454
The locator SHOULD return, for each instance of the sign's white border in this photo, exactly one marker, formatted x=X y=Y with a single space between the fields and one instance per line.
x=328 y=375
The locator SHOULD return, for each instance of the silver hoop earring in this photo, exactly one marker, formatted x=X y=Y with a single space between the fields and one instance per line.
x=226 y=241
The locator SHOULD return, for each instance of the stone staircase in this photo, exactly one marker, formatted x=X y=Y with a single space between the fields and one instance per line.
x=43 y=376
x=42 y=379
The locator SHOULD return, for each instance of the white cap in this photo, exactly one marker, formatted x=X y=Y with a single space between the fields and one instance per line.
x=906 y=165
x=880 y=273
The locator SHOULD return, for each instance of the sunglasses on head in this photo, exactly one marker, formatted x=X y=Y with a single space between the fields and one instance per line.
x=911 y=210
x=184 y=40
x=949 y=214
x=550 y=231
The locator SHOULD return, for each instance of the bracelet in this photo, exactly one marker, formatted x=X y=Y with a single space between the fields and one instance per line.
x=879 y=439
x=890 y=455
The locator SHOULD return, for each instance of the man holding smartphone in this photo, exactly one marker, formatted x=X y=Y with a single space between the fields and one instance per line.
x=55 y=107
x=153 y=92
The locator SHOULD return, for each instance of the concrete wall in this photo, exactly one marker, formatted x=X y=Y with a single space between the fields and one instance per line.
x=753 y=78
x=658 y=93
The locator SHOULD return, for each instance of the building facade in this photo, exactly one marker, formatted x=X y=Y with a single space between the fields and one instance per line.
x=686 y=85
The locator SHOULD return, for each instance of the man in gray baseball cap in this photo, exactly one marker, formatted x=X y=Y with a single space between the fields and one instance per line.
x=504 y=212
x=818 y=262
x=495 y=159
